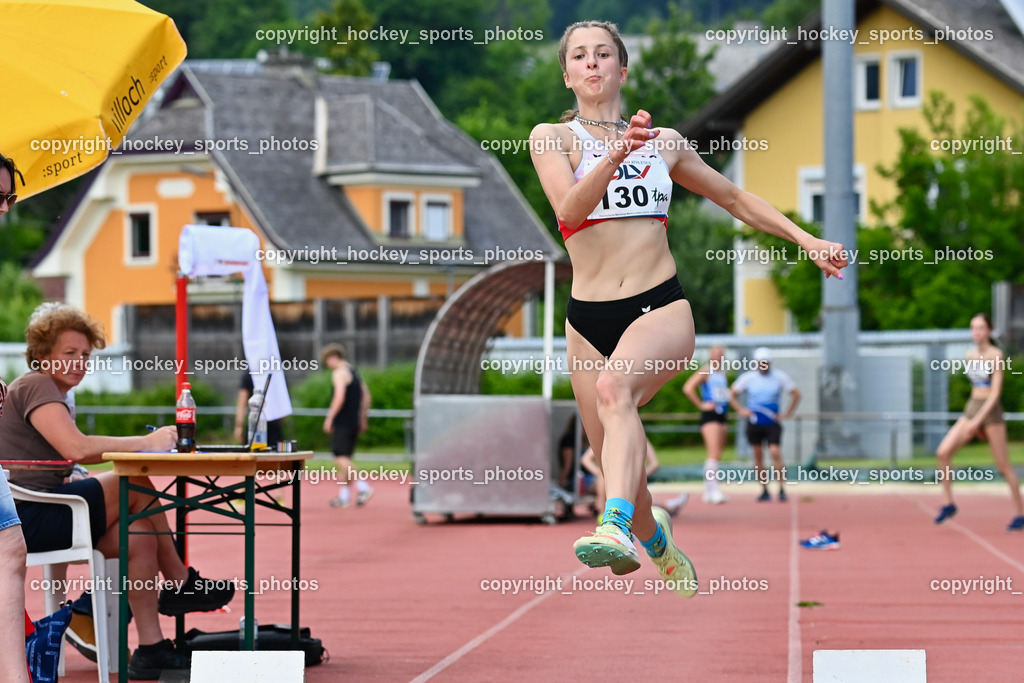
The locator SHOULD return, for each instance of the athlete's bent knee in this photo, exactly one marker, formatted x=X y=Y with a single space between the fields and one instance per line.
x=613 y=392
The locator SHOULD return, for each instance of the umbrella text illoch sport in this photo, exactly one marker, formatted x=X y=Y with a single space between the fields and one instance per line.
x=124 y=105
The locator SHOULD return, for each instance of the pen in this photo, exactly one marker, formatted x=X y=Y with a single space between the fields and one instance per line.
x=151 y=428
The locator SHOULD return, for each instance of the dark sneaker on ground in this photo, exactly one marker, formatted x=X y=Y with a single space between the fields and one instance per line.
x=1016 y=525
x=782 y=496
x=196 y=595
x=945 y=513
x=150 y=662
x=823 y=541
x=765 y=497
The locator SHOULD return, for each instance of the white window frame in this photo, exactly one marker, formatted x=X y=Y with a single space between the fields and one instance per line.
x=425 y=201
x=407 y=197
x=129 y=235
x=894 y=77
x=860 y=82
x=811 y=182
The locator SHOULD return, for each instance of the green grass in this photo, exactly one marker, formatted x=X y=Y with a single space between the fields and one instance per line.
x=388 y=458
x=975 y=454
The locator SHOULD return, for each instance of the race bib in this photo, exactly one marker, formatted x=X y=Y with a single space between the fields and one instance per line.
x=641 y=187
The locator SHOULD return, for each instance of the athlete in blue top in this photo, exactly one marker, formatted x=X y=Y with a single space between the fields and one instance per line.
x=627 y=307
x=764 y=388
x=713 y=404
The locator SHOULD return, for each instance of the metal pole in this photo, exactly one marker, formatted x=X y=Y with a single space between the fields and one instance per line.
x=549 y=326
x=181 y=329
x=839 y=390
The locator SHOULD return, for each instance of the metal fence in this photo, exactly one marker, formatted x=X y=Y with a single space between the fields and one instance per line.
x=901 y=434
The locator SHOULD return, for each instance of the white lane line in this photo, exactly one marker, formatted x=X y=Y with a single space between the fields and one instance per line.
x=976 y=538
x=486 y=635
x=795 y=668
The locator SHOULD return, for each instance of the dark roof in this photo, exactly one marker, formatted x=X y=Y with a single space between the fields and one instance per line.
x=1002 y=56
x=259 y=114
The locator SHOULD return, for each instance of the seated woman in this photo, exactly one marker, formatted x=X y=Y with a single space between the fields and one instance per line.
x=37 y=425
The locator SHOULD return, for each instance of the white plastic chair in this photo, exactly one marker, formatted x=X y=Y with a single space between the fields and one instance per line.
x=104 y=573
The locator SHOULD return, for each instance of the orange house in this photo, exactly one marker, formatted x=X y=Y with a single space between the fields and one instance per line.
x=356 y=188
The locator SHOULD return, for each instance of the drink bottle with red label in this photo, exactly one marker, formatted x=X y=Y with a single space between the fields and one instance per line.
x=185 y=417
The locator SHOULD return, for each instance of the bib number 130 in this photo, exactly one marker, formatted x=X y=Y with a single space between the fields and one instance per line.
x=626 y=198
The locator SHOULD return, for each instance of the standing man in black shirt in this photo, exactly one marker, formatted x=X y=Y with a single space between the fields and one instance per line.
x=345 y=421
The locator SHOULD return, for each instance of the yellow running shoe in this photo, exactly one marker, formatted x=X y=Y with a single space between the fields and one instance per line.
x=675 y=568
x=608 y=547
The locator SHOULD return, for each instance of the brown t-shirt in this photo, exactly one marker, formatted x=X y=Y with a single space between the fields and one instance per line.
x=19 y=440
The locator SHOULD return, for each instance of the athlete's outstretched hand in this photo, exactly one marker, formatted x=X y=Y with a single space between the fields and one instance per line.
x=829 y=256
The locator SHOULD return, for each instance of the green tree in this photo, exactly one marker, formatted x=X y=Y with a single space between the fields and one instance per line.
x=440 y=44
x=694 y=236
x=220 y=29
x=629 y=17
x=788 y=13
x=351 y=57
x=20 y=236
x=21 y=296
x=952 y=230
x=672 y=80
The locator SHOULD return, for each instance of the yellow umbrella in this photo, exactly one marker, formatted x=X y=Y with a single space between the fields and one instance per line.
x=76 y=74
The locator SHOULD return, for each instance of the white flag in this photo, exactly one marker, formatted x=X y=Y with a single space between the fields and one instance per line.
x=217 y=250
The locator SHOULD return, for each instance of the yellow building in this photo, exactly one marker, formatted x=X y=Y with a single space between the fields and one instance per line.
x=356 y=187
x=903 y=49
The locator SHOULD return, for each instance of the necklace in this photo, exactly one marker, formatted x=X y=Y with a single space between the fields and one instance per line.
x=619 y=125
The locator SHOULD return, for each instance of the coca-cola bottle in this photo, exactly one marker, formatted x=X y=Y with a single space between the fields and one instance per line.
x=185 y=417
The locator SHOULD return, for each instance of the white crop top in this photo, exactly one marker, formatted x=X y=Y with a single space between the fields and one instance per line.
x=640 y=187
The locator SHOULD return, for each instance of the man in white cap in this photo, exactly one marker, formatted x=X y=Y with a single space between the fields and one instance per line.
x=764 y=388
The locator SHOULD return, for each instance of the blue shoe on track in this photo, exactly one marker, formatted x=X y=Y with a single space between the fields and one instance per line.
x=945 y=513
x=765 y=497
x=823 y=541
x=1016 y=525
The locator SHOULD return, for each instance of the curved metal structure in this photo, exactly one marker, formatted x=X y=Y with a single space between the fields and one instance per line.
x=483 y=454
x=449 y=358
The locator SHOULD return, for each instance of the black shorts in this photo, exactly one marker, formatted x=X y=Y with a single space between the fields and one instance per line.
x=602 y=323
x=707 y=416
x=344 y=440
x=758 y=434
x=47 y=526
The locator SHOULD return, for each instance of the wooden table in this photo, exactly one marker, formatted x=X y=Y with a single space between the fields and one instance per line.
x=259 y=473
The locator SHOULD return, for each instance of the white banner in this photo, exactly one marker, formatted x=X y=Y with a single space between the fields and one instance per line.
x=217 y=250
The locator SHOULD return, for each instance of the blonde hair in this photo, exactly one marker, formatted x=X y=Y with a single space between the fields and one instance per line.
x=563 y=50
x=51 y=320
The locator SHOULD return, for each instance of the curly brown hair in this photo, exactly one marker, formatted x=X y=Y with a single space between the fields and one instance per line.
x=50 y=321
x=336 y=350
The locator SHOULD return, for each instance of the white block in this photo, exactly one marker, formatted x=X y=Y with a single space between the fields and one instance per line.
x=277 y=666
x=869 y=666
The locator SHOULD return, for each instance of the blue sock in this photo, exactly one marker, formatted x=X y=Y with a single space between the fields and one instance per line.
x=618 y=511
x=655 y=546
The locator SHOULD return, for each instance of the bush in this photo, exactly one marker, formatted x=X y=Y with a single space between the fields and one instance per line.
x=162 y=395
x=391 y=388
x=497 y=383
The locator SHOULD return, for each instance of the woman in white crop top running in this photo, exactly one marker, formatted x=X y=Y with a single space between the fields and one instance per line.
x=627 y=309
x=983 y=417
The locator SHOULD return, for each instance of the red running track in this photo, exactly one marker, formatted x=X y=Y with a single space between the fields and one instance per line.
x=398 y=602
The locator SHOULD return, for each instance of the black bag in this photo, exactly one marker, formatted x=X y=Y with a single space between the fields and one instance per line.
x=270 y=637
